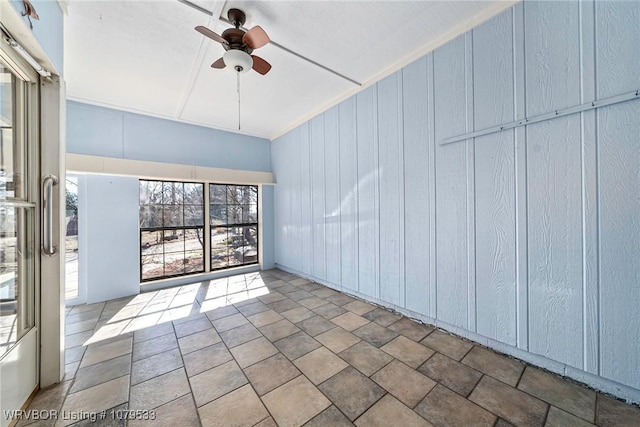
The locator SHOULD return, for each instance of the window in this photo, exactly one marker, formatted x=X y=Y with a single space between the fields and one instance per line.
x=171 y=229
x=233 y=214
x=174 y=220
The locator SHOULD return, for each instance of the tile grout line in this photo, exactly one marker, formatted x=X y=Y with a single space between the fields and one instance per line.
x=184 y=367
x=287 y=281
x=292 y=361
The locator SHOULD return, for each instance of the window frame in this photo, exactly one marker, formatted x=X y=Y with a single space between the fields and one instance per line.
x=184 y=227
x=207 y=228
x=228 y=226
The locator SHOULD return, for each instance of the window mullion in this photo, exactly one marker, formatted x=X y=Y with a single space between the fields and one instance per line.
x=206 y=231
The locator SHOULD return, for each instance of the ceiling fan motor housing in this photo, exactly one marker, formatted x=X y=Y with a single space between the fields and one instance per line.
x=234 y=37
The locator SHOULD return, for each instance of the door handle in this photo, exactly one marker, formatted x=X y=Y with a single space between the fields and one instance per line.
x=48 y=182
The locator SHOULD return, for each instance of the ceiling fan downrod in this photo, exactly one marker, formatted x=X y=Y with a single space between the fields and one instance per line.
x=238 y=89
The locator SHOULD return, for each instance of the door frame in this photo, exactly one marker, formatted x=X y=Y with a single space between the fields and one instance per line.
x=52 y=268
x=49 y=293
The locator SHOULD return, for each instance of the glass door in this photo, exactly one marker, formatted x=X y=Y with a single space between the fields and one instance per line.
x=19 y=241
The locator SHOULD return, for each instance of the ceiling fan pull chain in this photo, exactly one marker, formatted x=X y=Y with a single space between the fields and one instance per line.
x=238 y=89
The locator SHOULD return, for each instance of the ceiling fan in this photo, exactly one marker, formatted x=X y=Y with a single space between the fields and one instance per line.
x=239 y=45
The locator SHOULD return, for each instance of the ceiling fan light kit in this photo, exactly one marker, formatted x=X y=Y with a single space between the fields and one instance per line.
x=238 y=60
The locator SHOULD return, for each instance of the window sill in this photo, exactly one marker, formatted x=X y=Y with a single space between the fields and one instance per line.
x=197 y=277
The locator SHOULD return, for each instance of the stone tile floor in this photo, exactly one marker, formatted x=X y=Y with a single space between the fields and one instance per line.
x=271 y=348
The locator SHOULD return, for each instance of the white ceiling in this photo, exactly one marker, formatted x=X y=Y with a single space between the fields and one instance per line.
x=146 y=57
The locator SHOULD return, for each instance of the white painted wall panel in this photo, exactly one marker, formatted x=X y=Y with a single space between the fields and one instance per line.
x=306 y=213
x=279 y=198
x=552 y=55
x=367 y=136
x=348 y=158
x=451 y=176
x=113 y=241
x=417 y=210
x=318 y=197
x=552 y=40
x=618 y=47
x=108 y=132
x=527 y=239
x=332 y=195
x=495 y=181
x=296 y=171
x=268 y=254
x=618 y=127
x=619 y=161
x=390 y=148
x=555 y=240
x=282 y=200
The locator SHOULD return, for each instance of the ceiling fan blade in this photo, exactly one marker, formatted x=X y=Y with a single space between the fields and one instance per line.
x=260 y=65
x=219 y=64
x=207 y=32
x=255 y=37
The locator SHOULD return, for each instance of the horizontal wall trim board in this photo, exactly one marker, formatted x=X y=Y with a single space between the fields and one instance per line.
x=629 y=96
x=83 y=163
x=627 y=393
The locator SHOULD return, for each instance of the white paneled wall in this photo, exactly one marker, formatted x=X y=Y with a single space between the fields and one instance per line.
x=527 y=240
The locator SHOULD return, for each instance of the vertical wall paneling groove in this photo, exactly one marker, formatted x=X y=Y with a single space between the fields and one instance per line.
x=366 y=141
x=495 y=180
x=433 y=255
x=520 y=173
x=294 y=221
x=318 y=197
x=338 y=219
x=417 y=187
x=618 y=157
x=471 y=185
x=348 y=194
x=553 y=156
x=332 y=196
x=526 y=240
x=451 y=197
x=390 y=146
x=589 y=190
x=376 y=187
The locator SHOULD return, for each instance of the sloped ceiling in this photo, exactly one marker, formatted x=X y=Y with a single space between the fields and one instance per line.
x=146 y=57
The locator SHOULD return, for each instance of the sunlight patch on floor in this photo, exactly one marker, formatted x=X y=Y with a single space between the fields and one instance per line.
x=166 y=305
